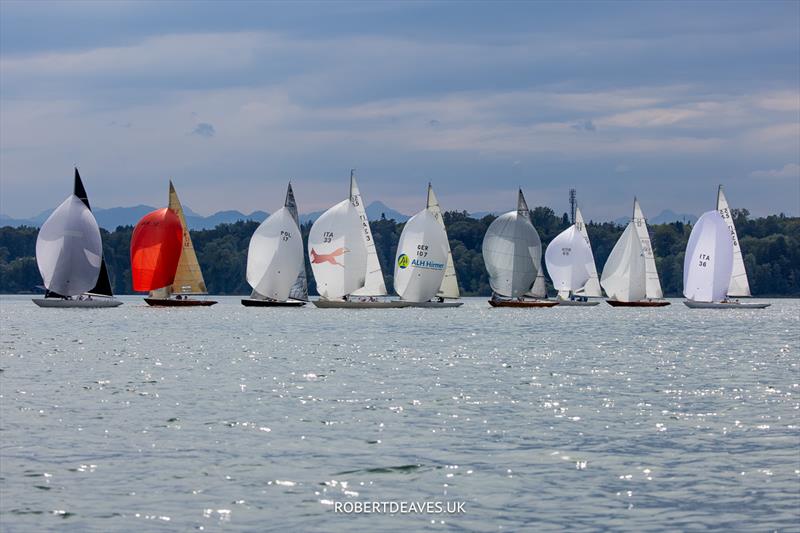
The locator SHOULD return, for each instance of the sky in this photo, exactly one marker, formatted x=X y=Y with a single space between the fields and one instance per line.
x=231 y=100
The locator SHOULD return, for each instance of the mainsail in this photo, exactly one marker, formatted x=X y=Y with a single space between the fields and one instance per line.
x=275 y=256
x=299 y=290
x=567 y=258
x=708 y=263
x=69 y=250
x=337 y=251
x=653 y=284
x=156 y=246
x=624 y=274
x=373 y=284
x=421 y=258
x=512 y=250
x=449 y=287
x=188 y=276
x=103 y=285
x=592 y=287
x=739 y=286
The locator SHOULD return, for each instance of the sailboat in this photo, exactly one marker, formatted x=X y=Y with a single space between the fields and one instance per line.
x=163 y=260
x=707 y=284
x=630 y=278
x=512 y=252
x=424 y=273
x=69 y=254
x=275 y=262
x=344 y=258
x=569 y=258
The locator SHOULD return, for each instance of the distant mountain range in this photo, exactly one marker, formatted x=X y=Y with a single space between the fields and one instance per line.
x=128 y=216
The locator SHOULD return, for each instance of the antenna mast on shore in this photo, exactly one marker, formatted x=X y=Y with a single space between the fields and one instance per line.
x=573 y=204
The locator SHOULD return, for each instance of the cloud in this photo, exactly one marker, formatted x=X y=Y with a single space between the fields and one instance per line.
x=789 y=170
x=585 y=125
x=204 y=129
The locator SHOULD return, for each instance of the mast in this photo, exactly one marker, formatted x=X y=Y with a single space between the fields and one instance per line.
x=373 y=282
x=103 y=285
x=188 y=276
x=449 y=286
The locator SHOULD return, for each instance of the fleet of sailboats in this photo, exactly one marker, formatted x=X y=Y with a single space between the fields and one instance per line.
x=630 y=278
x=69 y=254
x=713 y=268
x=163 y=260
x=347 y=270
x=275 y=261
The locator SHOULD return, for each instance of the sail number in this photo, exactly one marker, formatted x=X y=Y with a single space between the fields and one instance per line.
x=703 y=261
x=565 y=251
x=285 y=235
x=327 y=236
x=422 y=250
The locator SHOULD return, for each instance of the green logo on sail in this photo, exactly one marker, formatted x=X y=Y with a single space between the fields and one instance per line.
x=402 y=261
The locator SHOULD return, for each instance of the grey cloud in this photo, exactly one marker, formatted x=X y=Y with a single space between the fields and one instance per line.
x=204 y=129
x=585 y=125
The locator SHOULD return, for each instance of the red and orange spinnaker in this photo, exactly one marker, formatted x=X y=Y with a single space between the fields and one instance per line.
x=156 y=246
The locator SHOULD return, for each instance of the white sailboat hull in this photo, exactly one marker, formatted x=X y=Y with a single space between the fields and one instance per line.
x=725 y=305
x=95 y=302
x=577 y=303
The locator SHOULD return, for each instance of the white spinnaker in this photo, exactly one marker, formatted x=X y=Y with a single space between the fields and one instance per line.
x=653 y=284
x=275 y=256
x=421 y=258
x=624 y=272
x=337 y=251
x=708 y=263
x=567 y=258
x=511 y=250
x=449 y=287
x=373 y=284
x=739 y=286
x=69 y=250
x=592 y=287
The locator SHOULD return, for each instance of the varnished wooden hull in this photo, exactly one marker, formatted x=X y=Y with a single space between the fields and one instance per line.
x=523 y=303
x=641 y=303
x=249 y=302
x=171 y=302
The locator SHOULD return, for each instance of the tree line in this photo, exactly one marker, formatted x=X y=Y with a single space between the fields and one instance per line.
x=771 y=248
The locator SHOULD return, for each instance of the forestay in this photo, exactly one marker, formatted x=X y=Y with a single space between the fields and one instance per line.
x=421 y=258
x=373 y=284
x=449 y=287
x=337 y=251
x=69 y=249
x=708 y=263
x=739 y=286
x=624 y=272
x=275 y=256
x=592 y=286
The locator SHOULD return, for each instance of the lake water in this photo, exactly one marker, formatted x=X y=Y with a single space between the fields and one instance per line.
x=233 y=418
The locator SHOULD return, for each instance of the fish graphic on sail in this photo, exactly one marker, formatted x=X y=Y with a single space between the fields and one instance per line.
x=275 y=259
x=629 y=277
x=158 y=238
x=69 y=254
x=512 y=253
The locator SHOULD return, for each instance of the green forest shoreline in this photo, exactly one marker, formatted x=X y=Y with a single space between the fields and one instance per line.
x=771 y=248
